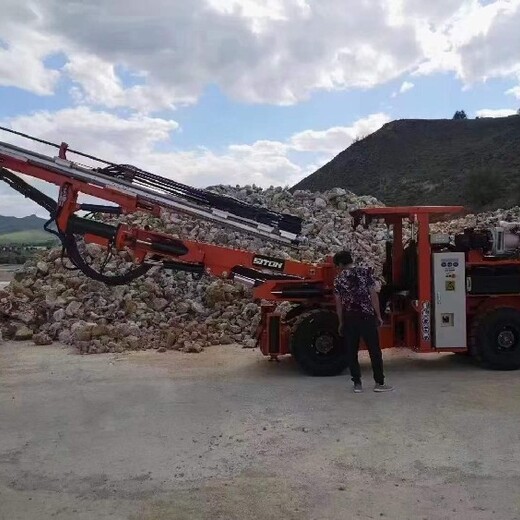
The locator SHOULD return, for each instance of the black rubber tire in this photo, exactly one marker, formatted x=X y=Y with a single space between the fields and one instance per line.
x=495 y=339
x=321 y=325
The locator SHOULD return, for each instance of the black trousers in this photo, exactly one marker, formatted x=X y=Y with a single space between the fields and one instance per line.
x=363 y=327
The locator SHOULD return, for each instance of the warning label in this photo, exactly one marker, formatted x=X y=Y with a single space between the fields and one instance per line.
x=450 y=285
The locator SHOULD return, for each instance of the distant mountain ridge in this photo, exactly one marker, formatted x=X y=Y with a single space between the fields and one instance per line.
x=15 y=224
x=24 y=230
x=473 y=162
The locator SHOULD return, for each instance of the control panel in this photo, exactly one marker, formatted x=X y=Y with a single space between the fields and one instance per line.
x=449 y=300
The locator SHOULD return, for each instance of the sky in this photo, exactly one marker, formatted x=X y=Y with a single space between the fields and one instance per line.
x=244 y=91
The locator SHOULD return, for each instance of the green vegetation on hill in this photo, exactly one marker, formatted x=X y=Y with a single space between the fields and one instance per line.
x=473 y=162
x=20 y=238
x=34 y=237
x=25 y=231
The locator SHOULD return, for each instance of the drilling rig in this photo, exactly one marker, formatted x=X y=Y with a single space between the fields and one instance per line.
x=441 y=293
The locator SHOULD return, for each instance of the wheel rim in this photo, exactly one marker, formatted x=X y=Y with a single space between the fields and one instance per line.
x=507 y=339
x=323 y=344
x=315 y=343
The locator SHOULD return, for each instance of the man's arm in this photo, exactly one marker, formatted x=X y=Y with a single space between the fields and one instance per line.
x=374 y=296
x=339 y=309
x=375 y=303
x=339 y=306
x=339 y=312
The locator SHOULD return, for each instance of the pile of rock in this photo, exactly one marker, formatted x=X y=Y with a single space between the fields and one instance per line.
x=163 y=310
x=327 y=224
x=480 y=220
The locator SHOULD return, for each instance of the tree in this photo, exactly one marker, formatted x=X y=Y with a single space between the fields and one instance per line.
x=460 y=114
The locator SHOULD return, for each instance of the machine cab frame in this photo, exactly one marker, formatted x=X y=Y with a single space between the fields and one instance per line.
x=408 y=288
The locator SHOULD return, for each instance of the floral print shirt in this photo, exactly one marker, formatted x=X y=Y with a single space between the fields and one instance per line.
x=353 y=287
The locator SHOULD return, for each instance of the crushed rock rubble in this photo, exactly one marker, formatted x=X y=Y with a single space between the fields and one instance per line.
x=163 y=310
x=480 y=220
x=166 y=310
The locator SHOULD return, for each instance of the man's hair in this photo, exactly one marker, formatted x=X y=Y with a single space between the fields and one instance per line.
x=343 y=258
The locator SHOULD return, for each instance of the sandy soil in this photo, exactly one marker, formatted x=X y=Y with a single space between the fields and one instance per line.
x=226 y=435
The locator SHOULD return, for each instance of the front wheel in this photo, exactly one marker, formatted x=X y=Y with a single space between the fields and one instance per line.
x=316 y=345
x=496 y=339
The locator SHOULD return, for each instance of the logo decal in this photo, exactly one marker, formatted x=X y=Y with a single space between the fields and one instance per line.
x=425 y=321
x=270 y=263
x=63 y=195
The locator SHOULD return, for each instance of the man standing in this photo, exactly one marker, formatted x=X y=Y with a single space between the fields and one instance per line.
x=359 y=314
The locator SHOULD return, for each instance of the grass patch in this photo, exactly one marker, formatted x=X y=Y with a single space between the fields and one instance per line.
x=35 y=237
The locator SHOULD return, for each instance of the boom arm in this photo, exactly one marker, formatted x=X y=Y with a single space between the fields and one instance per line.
x=135 y=190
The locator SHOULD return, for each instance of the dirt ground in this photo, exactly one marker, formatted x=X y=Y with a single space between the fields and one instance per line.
x=226 y=435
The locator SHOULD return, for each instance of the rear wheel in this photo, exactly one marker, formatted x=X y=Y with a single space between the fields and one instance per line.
x=496 y=339
x=316 y=345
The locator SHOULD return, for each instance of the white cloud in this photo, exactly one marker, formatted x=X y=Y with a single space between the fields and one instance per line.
x=276 y=51
x=500 y=112
x=134 y=141
x=434 y=13
x=406 y=86
x=515 y=91
x=494 y=50
x=336 y=139
x=21 y=67
x=23 y=48
x=478 y=41
x=105 y=88
x=96 y=133
x=258 y=12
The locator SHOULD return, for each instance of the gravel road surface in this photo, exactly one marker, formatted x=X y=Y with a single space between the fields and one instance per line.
x=225 y=435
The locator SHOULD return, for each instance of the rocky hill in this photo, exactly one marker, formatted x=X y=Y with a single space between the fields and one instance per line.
x=473 y=162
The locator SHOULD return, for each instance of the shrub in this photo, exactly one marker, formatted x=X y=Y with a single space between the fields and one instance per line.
x=460 y=114
x=483 y=187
